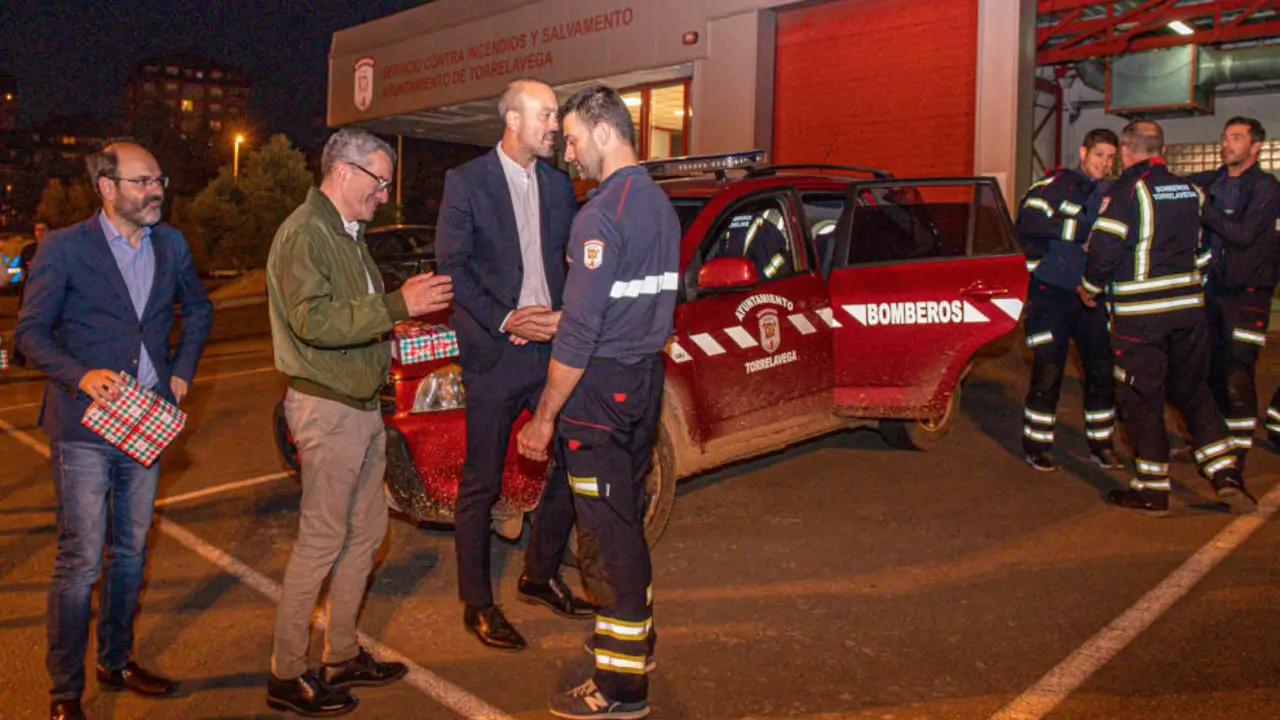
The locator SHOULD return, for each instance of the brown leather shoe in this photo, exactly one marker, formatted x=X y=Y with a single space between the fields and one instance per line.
x=132 y=677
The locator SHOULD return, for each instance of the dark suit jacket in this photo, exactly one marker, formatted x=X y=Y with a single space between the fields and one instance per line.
x=78 y=317
x=478 y=246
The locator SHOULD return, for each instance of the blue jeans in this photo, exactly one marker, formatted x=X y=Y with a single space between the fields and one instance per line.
x=105 y=499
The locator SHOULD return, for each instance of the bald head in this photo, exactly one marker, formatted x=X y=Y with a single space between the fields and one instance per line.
x=127 y=177
x=1141 y=140
x=528 y=108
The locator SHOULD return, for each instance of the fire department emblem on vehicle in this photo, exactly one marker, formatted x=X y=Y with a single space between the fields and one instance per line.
x=364 y=83
x=593 y=253
x=770 y=331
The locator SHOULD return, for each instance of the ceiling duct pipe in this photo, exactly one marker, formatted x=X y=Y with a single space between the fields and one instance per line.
x=1215 y=67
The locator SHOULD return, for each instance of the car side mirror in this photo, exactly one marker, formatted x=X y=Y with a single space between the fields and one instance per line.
x=727 y=273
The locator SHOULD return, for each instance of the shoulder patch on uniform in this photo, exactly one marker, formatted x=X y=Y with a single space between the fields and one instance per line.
x=1105 y=202
x=593 y=253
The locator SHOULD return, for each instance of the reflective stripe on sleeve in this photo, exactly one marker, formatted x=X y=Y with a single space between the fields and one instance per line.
x=1093 y=289
x=1069 y=208
x=1039 y=204
x=648 y=285
x=1146 y=230
x=584 y=486
x=1161 y=283
x=1115 y=227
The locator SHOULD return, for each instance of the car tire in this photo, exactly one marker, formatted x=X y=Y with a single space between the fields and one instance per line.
x=922 y=434
x=284 y=440
x=660 y=486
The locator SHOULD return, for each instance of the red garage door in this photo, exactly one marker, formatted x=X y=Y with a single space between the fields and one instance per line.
x=886 y=83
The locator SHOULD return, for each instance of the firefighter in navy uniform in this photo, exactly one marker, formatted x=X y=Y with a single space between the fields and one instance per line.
x=759 y=239
x=1240 y=223
x=605 y=386
x=1143 y=250
x=1053 y=224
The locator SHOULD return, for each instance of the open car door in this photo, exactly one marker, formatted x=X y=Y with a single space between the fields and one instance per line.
x=923 y=273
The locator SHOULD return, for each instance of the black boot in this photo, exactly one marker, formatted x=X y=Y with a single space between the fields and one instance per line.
x=1232 y=492
x=1150 y=502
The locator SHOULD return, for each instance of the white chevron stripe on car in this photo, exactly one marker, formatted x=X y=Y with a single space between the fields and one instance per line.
x=802 y=324
x=707 y=344
x=741 y=336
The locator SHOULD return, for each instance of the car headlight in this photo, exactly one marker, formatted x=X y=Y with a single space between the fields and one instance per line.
x=441 y=390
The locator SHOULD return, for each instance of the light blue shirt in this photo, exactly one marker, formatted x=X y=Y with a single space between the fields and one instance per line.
x=139 y=270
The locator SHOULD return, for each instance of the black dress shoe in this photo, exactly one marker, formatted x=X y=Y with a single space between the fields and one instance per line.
x=1106 y=459
x=491 y=626
x=65 y=710
x=1149 y=502
x=132 y=677
x=309 y=696
x=557 y=596
x=362 y=671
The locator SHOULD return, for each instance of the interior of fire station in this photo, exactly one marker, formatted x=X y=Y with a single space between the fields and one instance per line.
x=1189 y=65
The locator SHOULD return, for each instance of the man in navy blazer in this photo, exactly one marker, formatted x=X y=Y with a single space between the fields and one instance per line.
x=501 y=236
x=99 y=303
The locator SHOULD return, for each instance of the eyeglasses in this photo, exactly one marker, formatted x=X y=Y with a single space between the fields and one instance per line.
x=143 y=181
x=383 y=183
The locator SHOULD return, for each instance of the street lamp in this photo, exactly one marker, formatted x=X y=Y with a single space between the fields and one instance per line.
x=235 y=164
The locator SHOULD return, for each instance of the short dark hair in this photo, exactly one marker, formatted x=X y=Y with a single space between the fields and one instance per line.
x=1144 y=136
x=1256 y=131
x=104 y=162
x=597 y=104
x=1100 y=136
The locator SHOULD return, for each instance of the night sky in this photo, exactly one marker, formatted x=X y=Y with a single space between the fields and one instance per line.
x=75 y=56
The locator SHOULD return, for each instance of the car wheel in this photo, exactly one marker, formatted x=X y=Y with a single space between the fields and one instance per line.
x=283 y=438
x=922 y=434
x=660 y=491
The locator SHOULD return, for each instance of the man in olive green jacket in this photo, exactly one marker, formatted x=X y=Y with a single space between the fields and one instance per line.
x=329 y=322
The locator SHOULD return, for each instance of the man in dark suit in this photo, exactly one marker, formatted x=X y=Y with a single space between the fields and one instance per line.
x=501 y=235
x=99 y=303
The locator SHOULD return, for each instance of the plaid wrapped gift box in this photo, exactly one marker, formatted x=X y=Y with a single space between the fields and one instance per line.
x=139 y=422
x=415 y=343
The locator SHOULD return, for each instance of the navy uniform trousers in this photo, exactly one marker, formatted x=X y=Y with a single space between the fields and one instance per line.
x=606 y=434
x=1238 y=319
x=1170 y=352
x=1055 y=317
x=495 y=398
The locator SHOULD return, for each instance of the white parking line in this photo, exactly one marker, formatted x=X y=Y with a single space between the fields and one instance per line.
x=442 y=691
x=1071 y=673
x=165 y=501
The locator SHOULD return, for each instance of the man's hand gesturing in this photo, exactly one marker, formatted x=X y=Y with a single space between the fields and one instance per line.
x=427 y=293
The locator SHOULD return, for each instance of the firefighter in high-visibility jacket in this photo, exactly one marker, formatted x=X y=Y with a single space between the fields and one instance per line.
x=1240 y=222
x=1144 y=251
x=1053 y=224
x=758 y=238
x=605 y=387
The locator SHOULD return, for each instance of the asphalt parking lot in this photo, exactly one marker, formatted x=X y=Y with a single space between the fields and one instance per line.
x=838 y=579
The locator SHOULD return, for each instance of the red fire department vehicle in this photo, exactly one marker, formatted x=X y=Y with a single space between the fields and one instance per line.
x=811 y=299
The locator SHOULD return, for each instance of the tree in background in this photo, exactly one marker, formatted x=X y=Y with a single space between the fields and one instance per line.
x=234 y=223
x=64 y=202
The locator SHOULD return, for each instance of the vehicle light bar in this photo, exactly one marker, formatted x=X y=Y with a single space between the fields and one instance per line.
x=698 y=164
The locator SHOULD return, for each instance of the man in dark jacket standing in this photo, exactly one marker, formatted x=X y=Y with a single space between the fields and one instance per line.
x=1240 y=226
x=501 y=235
x=1053 y=224
x=100 y=303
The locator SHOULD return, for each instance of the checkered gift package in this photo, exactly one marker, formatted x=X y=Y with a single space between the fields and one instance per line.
x=139 y=422
x=416 y=342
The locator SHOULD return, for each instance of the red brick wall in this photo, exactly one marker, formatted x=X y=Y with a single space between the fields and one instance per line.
x=885 y=83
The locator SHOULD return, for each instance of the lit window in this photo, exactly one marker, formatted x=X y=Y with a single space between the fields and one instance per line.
x=188 y=105
x=8 y=97
x=199 y=74
x=149 y=87
x=216 y=74
x=215 y=125
x=215 y=92
x=172 y=70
